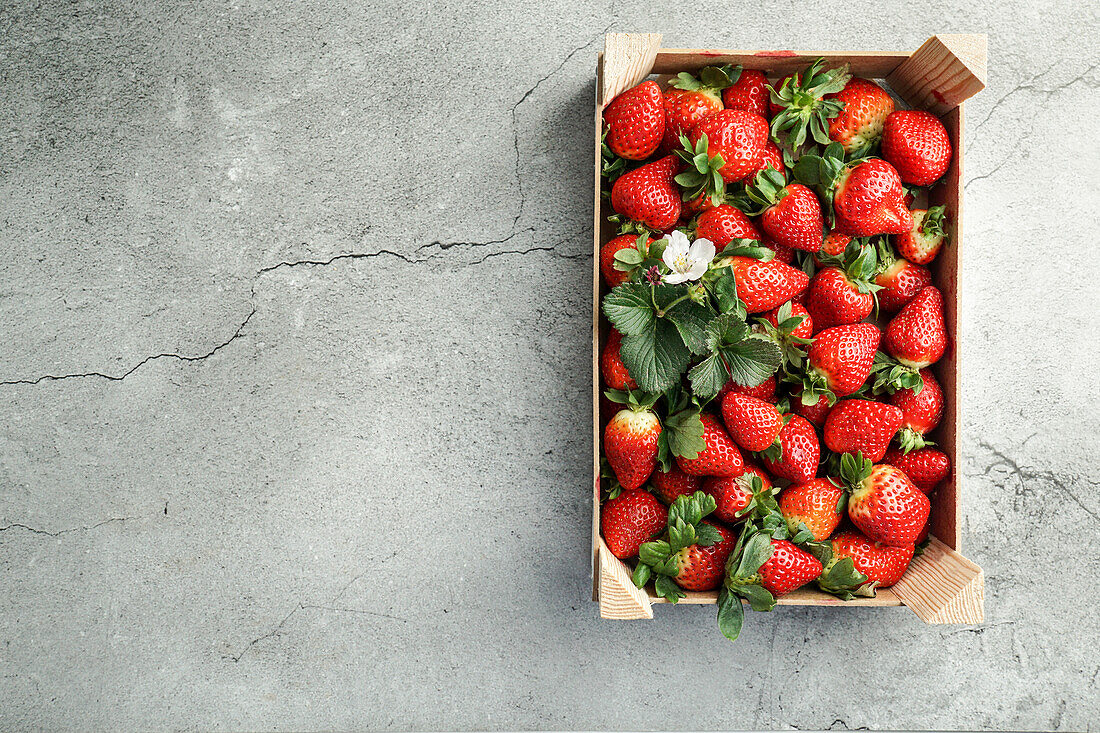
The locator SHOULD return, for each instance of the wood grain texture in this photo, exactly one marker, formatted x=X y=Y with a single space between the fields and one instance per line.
x=619 y=597
x=941 y=74
x=627 y=60
x=597 y=237
x=943 y=587
x=776 y=63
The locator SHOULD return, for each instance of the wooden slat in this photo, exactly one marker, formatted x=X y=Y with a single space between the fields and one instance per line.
x=776 y=63
x=943 y=587
x=597 y=236
x=807 y=596
x=943 y=73
x=627 y=60
x=619 y=597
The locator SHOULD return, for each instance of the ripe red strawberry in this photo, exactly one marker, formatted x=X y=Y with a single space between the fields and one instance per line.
x=648 y=195
x=916 y=143
x=636 y=121
x=698 y=204
x=722 y=224
x=630 y=444
x=800 y=449
x=628 y=520
x=773 y=157
x=869 y=200
x=765 y=285
x=835 y=299
x=721 y=456
x=803 y=330
x=783 y=253
x=753 y=424
x=690 y=99
x=672 y=483
x=748 y=93
x=734 y=495
x=738 y=136
x=865 y=426
x=858 y=126
x=815 y=412
x=916 y=336
x=899 y=279
x=884 y=504
x=832 y=249
x=925 y=238
x=763 y=391
x=816 y=504
x=614 y=372
x=881 y=565
x=612 y=276
x=925 y=467
x=699 y=568
x=841 y=358
x=789 y=568
x=921 y=411
x=790 y=214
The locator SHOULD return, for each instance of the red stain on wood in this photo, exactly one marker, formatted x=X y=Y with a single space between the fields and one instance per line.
x=775 y=54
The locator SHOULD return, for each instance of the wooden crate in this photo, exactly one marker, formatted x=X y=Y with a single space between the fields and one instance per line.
x=941 y=586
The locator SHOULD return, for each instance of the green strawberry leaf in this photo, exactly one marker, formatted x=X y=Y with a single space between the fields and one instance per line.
x=666 y=588
x=641 y=575
x=724 y=290
x=690 y=319
x=731 y=614
x=752 y=360
x=655 y=357
x=630 y=308
x=757 y=596
x=708 y=377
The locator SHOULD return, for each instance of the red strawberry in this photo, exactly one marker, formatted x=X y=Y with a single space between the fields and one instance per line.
x=765 y=285
x=881 y=565
x=925 y=238
x=612 y=276
x=752 y=423
x=763 y=391
x=614 y=372
x=815 y=504
x=916 y=143
x=690 y=99
x=738 y=136
x=858 y=126
x=916 y=336
x=869 y=200
x=648 y=194
x=841 y=357
x=800 y=449
x=722 y=224
x=832 y=249
x=803 y=330
x=699 y=568
x=773 y=157
x=815 y=412
x=698 y=204
x=884 y=504
x=835 y=299
x=925 y=467
x=899 y=279
x=628 y=520
x=636 y=121
x=630 y=444
x=672 y=483
x=921 y=410
x=749 y=93
x=734 y=495
x=788 y=568
x=861 y=425
x=721 y=456
x=783 y=253
x=790 y=213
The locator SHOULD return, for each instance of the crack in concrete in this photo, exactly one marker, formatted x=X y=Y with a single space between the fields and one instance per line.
x=58 y=533
x=1027 y=474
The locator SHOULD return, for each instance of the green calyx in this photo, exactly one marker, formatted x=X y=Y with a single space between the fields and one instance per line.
x=932 y=226
x=703 y=176
x=839 y=576
x=641 y=257
x=635 y=399
x=682 y=431
x=733 y=352
x=743 y=569
x=823 y=172
x=854 y=469
x=766 y=190
x=611 y=165
x=714 y=78
x=888 y=375
x=804 y=108
x=661 y=558
x=910 y=440
x=793 y=347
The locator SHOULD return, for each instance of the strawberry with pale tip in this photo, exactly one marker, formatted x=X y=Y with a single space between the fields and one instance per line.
x=883 y=503
x=916 y=336
x=925 y=238
x=922 y=410
x=858 y=126
x=630 y=439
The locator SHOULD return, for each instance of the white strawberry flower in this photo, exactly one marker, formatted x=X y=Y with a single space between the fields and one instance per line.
x=687 y=260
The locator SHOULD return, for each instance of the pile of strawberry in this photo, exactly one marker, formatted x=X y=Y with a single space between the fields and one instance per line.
x=764 y=441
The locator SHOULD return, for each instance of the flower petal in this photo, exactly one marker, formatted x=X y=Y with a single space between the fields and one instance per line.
x=675 y=278
x=698 y=269
x=702 y=249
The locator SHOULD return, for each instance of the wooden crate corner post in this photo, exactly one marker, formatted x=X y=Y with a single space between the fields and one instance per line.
x=943 y=587
x=627 y=59
x=942 y=73
x=619 y=598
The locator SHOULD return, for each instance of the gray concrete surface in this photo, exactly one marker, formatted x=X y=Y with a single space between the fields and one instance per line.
x=294 y=404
